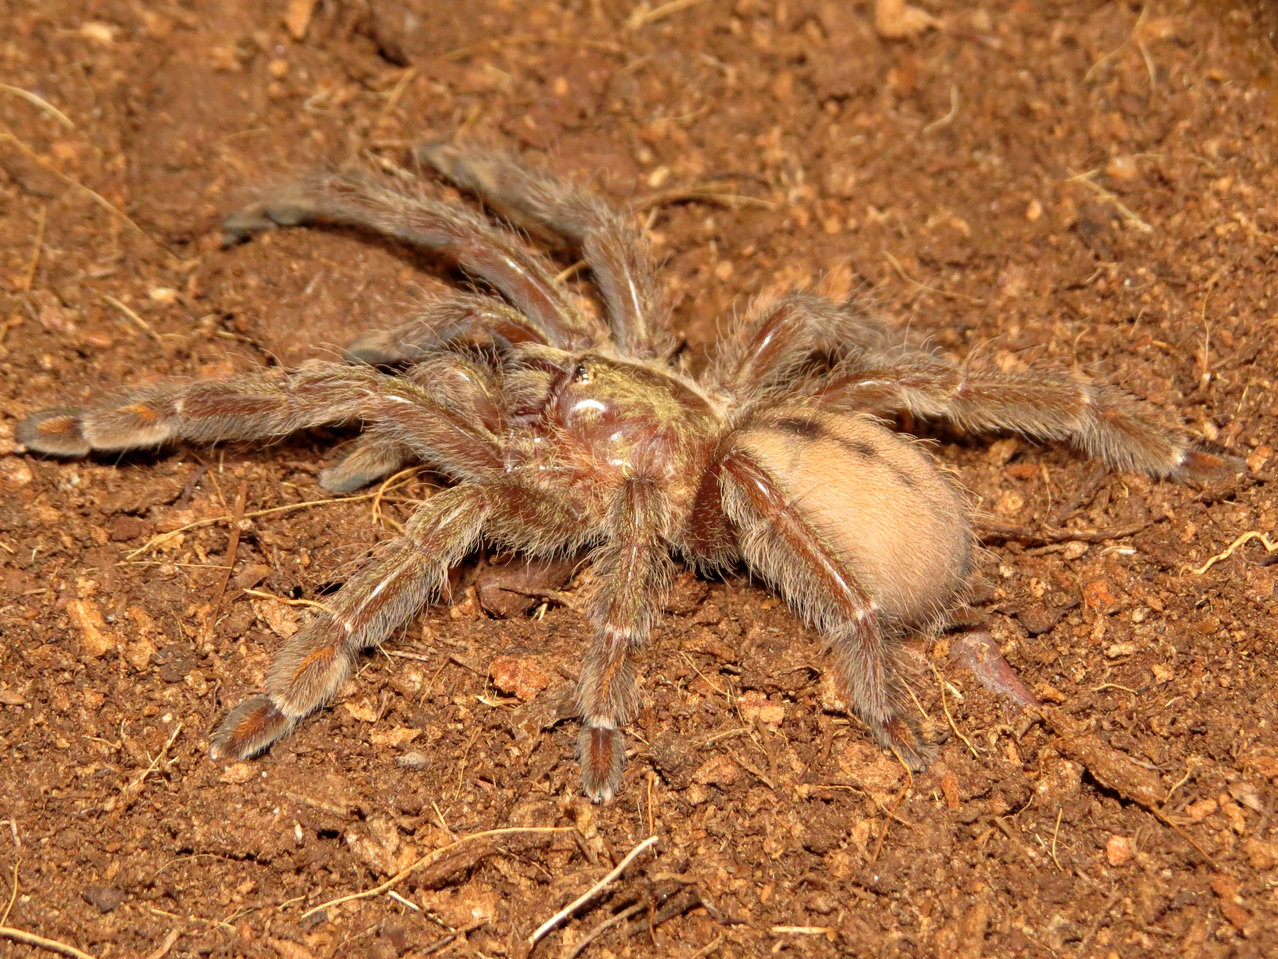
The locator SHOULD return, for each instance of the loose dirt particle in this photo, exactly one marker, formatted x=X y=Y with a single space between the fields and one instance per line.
x=1118 y=849
x=95 y=639
x=519 y=676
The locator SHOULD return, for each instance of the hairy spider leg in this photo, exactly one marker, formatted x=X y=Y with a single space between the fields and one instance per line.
x=270 y=405
x=454 y=382
x=473 y=320
x=774 y=340
x=634 y=570
x=477 y=246
x=1103 y=421
x=782 y=545
x=617 y=252
x=405 y=575
x=368 y=459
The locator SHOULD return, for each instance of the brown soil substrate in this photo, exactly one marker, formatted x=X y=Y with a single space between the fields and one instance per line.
x=1087 y=184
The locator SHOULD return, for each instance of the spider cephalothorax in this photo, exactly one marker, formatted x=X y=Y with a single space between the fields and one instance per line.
x=562 y=432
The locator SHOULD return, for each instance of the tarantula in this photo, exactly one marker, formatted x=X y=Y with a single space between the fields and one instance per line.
x=564 y=432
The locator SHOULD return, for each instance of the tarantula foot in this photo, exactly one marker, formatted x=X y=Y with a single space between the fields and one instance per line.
x=250 y=729
x=1203 y=467
x=441 y=155
x=55 y=432
x=900 y=736
x=365 y=465
x=603 y=753
x=256 y=218
x=381 y=348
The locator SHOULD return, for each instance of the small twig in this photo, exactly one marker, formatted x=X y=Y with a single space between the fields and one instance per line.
x=98 y=198
x=652 y=830
x=887 y=825
x=13 y=897
x=945 y=708
x=1189 y=771
x=701 y=193
x=130 y=791
x=1025 y=534
x=896 y=265
x=1087 y=77
x=228 y=563
x=1246 y=537
x=160 y=562
x=392 y=99
x=31 y=939
x=803 y=930
x=868 y=795
x=400 y=653
x=1055 y=833
x=590 y=893
x=387 y=486
x=1103 y=686
x=128 y=311
x=949 y=117
x=431 y=858
x=214 y=521
x=287 y=600
x=29 y=280
x=705 y=679
x=641 y=16
x=1126 y=212
x=677 y=905
x=10 y=323
x=163 y=948
x=708 y=948
x=603 y=927
x=404 y=902
x=753 y=771
x=37 y=101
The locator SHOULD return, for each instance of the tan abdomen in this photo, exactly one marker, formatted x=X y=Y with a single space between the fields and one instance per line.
x=878 y=500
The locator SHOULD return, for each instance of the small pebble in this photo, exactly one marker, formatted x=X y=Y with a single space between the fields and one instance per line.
x=1122 y=168
x=1118 y=850
x=104 y=898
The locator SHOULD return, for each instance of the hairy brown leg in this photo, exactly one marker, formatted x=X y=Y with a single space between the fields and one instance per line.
x=465 y=319
x=245 y=406
x=407 y=573
x=451 y=381
x=369 y=459
x=1103 y=421
x=439 y=425
x=780 y=544
x=633 y=569
x=773 y=341
x=617 y=252
x=478 y=247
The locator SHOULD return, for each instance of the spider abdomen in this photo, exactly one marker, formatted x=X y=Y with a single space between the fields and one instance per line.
x=877 y=500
